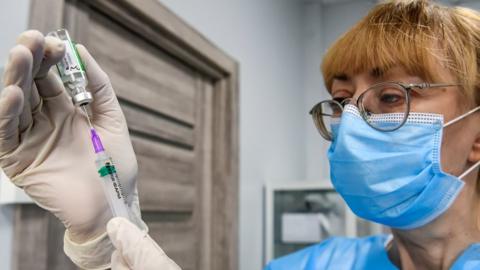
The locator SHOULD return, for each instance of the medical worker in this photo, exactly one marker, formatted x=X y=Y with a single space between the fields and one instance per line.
x=403 y=121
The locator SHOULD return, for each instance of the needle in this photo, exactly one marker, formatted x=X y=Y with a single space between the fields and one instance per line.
x=88 y=117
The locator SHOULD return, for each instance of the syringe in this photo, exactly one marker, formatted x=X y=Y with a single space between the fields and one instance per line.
x=73 y=75
x=108 y=173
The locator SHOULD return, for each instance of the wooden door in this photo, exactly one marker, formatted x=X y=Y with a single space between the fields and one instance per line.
x=179 y=95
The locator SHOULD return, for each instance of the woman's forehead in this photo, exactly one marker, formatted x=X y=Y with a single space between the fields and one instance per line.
x=375 y=49
x=376 y=73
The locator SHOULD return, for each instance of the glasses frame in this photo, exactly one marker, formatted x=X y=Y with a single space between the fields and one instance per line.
x=408 y=88
x=322 y=129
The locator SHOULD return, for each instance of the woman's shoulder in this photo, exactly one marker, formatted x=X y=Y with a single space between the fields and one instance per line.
x=335 y=253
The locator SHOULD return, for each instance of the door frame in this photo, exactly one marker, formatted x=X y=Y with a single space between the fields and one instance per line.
x=156 y=23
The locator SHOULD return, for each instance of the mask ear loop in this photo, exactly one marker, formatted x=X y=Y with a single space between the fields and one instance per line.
x=453 y=121
x=470 y=170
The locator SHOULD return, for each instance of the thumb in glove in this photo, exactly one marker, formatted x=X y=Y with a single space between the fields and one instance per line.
x=135 y=249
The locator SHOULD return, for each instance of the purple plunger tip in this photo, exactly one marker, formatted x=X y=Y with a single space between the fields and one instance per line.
x=97 y=143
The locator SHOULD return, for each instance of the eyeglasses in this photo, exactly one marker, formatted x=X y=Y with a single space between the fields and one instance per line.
x=390 y=98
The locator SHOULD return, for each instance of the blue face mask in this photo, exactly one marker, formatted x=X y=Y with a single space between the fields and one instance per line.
x=393 y=178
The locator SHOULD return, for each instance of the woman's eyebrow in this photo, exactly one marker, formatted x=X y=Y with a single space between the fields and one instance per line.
x=378 y=72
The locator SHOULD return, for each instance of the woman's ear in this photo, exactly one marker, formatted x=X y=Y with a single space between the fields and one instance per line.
x=474 y=156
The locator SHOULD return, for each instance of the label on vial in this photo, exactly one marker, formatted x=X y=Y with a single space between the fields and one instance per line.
x=71 y=63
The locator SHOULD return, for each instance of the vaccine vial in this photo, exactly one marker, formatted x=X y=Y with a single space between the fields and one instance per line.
x=72 y=70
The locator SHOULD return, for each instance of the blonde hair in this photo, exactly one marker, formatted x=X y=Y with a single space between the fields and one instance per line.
x=415 y=34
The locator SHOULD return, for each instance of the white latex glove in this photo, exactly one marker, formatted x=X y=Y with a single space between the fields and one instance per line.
x=136 y=250
x=45 y=146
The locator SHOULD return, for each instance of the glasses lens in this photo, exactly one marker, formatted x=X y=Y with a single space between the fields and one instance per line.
x=324 y=114
x=385 y=106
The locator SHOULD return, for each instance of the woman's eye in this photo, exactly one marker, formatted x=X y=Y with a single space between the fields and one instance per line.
x=389 y=98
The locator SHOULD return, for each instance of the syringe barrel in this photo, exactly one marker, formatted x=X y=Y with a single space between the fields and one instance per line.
x=111 y=186
x=72 y=70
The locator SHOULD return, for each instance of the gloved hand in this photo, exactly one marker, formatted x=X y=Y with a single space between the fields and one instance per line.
x=45 y=145
x=136 y=250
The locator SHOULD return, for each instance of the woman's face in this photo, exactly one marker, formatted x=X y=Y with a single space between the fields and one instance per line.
x=461 y=141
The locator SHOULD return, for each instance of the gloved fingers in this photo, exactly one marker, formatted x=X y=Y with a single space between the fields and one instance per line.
x=36 y=108
x=35 y=42
x=104 y=99
x=11 y=105
x=123 y=233
x=47 y=81
x=118 y=263
x=53 y=53
x=53 y=93
x=18 y=71
x=136 y=247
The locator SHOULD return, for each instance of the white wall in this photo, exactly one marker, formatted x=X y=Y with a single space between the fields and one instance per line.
x=266 y=38
x=13 y=19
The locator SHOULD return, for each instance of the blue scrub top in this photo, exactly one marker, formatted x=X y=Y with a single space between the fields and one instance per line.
x=341 y=253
